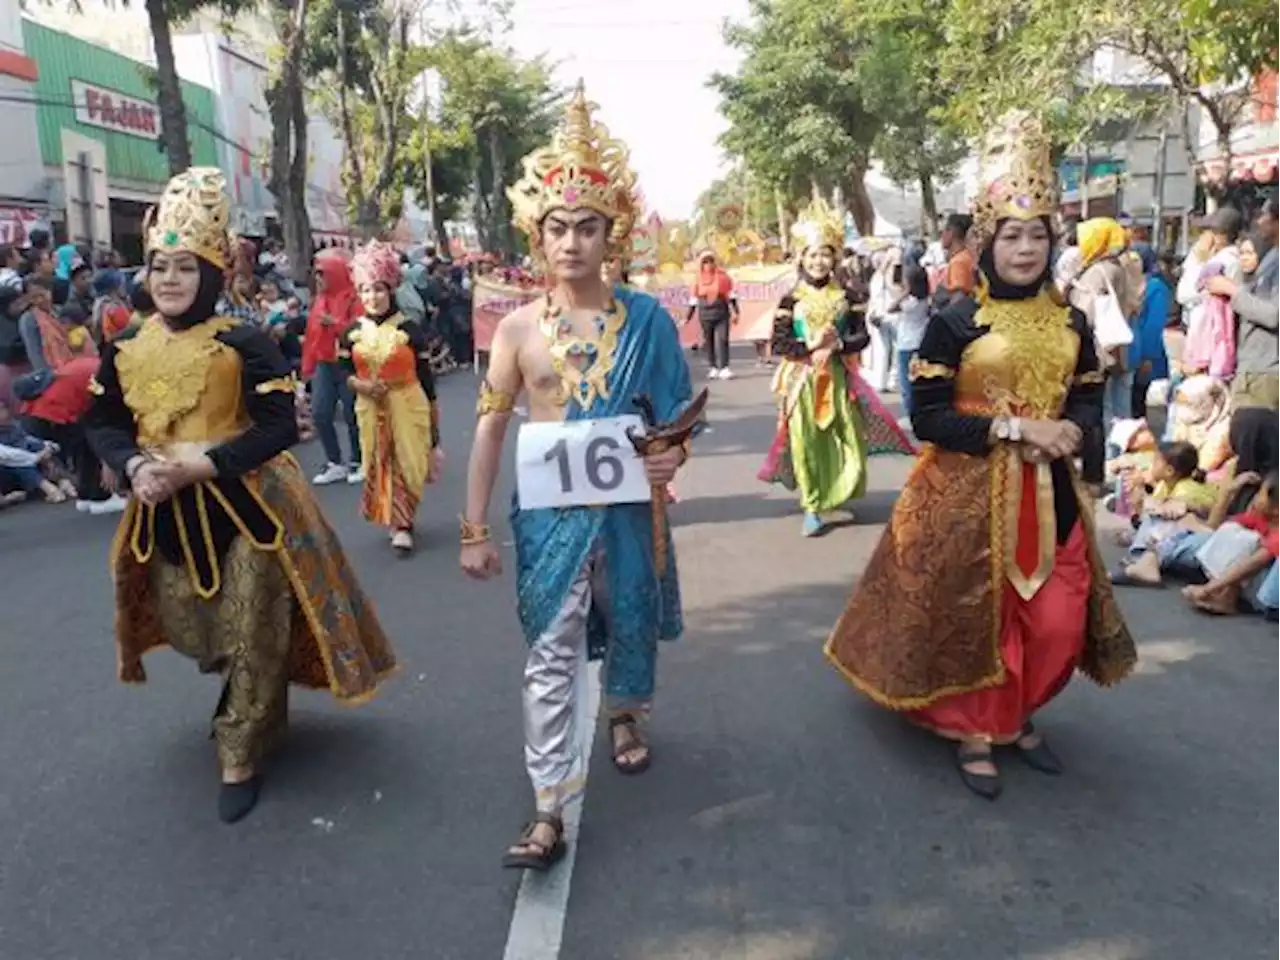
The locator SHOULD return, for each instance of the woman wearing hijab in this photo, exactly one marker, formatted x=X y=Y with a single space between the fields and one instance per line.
x=986 y=591
x=335 y=309
x=1147 y=358
x=1253 y=434
x=1106 y=270
x=388 y=366
x=713 y=300
x=1201 y=414
x=830 y=419
x=223 y=553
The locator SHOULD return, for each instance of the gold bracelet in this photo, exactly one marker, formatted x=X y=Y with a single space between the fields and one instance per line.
x=473 y=533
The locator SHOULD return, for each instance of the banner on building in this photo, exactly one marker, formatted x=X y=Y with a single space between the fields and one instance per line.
x=758 y=290
x=112 y=110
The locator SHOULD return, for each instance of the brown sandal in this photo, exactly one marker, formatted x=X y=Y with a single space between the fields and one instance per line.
x=633 y=741
x=537 y=856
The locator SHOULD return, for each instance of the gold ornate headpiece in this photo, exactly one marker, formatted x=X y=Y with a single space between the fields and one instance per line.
x=583 y=168
x=1018 y=179
x=192 y=217
x=819 y=226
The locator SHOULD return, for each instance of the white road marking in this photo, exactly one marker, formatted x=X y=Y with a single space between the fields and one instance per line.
x=542 y=902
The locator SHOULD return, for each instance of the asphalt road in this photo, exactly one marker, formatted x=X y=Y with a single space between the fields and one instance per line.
x=784 y=817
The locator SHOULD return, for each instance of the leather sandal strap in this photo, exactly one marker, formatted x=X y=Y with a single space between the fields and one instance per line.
x=623 y=720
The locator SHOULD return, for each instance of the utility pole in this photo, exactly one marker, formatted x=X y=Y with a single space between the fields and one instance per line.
x=1157 y=204
x=1084 y=183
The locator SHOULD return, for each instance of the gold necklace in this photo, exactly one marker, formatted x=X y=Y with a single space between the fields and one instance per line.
x=583 y=365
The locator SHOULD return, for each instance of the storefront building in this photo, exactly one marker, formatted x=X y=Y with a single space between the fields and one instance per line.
x=98 y=128
x=22 y=179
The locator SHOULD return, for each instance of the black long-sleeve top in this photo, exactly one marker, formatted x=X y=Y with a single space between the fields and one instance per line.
x=419 y=344
x=936 y=420
x=193 y=521
x=273 y=429
x=851 y=327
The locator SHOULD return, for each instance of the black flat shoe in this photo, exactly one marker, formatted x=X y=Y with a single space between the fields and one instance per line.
x=235 y=800
x=985 y=785
x=1040 y=757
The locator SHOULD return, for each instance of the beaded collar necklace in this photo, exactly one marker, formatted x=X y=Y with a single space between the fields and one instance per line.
x=582 y=364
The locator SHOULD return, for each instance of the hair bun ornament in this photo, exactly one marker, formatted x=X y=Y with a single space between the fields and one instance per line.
x=1017 y=178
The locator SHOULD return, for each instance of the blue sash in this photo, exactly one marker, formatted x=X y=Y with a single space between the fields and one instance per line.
x=553 y=544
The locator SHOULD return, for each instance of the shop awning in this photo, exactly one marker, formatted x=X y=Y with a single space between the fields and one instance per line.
x=1259 y=166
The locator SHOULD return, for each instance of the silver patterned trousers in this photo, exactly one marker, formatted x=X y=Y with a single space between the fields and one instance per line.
x=555 y=692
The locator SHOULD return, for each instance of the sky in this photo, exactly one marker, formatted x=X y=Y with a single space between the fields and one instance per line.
x=646 y=63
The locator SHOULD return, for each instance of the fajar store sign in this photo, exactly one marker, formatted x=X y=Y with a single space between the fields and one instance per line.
x=115 y=111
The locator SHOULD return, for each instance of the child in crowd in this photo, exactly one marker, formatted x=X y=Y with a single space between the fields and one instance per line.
x=1252 y=576
x=1177 y=490
x=1132 y=450
x=43 y=476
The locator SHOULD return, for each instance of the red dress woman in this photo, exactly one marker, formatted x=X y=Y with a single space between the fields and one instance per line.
x=987 y=592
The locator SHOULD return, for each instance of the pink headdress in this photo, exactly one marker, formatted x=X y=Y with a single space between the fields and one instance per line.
x=376 y=262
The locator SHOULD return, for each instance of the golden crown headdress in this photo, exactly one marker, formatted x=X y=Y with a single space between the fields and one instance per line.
x=192 y=217
x=1017 y=178
x=819 y=226
x=583 y=168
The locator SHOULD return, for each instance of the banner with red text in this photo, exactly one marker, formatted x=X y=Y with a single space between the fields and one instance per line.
x=758 y=290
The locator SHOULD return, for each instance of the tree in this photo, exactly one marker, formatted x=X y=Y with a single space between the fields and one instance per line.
x=796 y=114
x=1038 y=55
x=362 y=48
x=496 y=108
x=898 y=82
x=287 y=102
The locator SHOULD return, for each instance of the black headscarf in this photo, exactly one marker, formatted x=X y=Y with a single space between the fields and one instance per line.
x=1254 y=442
x=998 y=289
x=203 y=306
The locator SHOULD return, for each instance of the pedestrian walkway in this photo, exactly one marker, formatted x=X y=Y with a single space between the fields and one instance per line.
x=784 y=818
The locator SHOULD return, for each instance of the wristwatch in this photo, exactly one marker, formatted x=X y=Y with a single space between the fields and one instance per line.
x=1009 y=428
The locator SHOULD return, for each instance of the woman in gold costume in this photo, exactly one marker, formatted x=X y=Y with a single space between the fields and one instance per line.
x=223 y=553
x=388 y=366
x=986 y=591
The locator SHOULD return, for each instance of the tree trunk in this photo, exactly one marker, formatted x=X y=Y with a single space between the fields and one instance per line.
x=784 y=219
x=286 y=102
x=928 y=206
x=498 y=205
x=173 y=113
x=860 y=205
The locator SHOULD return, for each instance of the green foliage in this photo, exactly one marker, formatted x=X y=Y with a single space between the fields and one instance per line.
x=496 y=108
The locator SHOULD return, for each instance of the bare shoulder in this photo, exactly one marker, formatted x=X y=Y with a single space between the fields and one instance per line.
x=515 y=326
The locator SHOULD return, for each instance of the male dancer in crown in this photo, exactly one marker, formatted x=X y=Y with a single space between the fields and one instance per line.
x=593 y=579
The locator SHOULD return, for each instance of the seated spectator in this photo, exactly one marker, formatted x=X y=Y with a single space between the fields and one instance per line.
x=42 y=475
x=1200 y=414
x=1131 y=447
x=1251 y=576
x=1177 y=490
x=53 y=341
x=55 y=414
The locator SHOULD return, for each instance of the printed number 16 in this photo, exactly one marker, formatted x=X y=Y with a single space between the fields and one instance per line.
x=604 y=471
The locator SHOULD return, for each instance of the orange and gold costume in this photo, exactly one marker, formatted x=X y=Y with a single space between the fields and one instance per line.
x=398 y=431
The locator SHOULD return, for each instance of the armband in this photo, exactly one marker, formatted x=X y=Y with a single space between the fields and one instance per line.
x=1090 y=378
x=493 y=401
x=285 y=384
x=928 y=370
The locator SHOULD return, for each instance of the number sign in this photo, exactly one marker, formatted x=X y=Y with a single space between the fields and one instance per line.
x=579 y=463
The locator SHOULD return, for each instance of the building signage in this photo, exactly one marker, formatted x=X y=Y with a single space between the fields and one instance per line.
x=115 y=111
